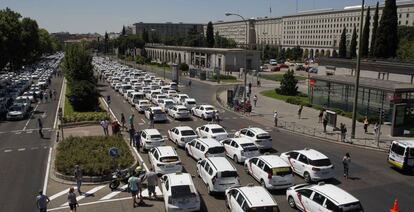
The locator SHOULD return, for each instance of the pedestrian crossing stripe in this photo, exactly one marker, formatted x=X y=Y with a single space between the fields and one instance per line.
x=60 y=194
x=90 y=192
x=112 y=194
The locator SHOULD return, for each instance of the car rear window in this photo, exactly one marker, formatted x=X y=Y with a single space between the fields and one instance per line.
x=187 y=132
x=182 y=110
x=249 y=147
x=156 y=136
x=216 y=150
x=321 y=162
x=264 y=209
x=351 y=207
x=191 y=102
x=169 y=159
x=157 y=111
x=397 y=149
x=281 y=171
x=263 y=136
x=218 y=130
x=181 y=191
x=228 y=174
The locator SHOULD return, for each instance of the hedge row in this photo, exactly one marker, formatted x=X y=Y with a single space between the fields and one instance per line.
x=91 y=153
x=71 y=116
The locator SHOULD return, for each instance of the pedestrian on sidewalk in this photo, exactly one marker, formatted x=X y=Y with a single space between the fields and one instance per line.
x=123 y=121
x=300 y=111
x=40 y=126
x=105 y=125
x=134 y=185
x=152 y=180
x=366 y=123
x=131 y=136
x=73 y=202
x=325 y=121
x=78 y=177
x=275 y=117
x=131 y=120
x=376 y=129
x=255 y=100
x=320 y=116
x=345 y=162
x=343 y=132
x=41 y=201
x=137 y=140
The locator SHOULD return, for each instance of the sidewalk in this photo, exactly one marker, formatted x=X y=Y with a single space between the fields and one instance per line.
x=308 y=123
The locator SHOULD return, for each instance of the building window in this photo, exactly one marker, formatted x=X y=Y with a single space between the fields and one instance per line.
x=408 y=15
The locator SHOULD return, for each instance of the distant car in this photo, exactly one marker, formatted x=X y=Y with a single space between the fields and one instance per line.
x=258 y=136
x=158 y=114
x=166 y=104
x=181 y=135
x=282 y=65
x=273 y=62
x=300 y=68
x=240 y=149
x=179 y=98
x=313 y=70
x=275 y=68
x=16 y=112
x=179 y=112
x=142 y=105
x=203 y=111
x=189 y=103
x=214 y=131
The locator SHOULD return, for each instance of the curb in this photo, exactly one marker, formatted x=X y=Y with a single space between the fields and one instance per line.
x=218 y=100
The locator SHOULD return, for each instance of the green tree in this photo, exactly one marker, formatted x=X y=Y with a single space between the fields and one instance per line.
x=106 y=43
x=11 y=48
x=273 y=53
x=288 y=53
x=210 y=35
x=306 y=53
x=183 y=67
x=282 y=54
x=194 y=38
x=123 y=32
x=374 y=31
x=406 y=50
x=288 y=84
x=342 y=44
x=29 y=40
x=297 y=53
x=353 y=46
x=386 y=43
x=83 y=96
x=365 y=35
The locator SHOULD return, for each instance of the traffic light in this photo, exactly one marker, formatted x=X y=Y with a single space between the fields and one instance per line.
x=381 y=114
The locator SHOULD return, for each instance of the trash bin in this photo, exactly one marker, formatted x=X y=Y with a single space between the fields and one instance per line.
x=331 y=118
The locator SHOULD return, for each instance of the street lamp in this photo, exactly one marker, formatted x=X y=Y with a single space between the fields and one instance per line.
x=354 y=108
x=245 y=59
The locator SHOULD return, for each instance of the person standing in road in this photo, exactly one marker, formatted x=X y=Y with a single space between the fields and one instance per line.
x=324 y=121
x=300 y=111
x=42 y=201
x=320 y=116
x=152 y=179
x=213 y=116
x=40 y=126
x=151 y=121
x=50 y=95
x=137 y=140
x=255 y=100
x=78 y=177
x=134 y=185
x=366 y=123
x=131 y=120
x=189 y=83
x=217 y=117
x=123 y=121
x=275 y=117
x=73 y=202
x=345 y=162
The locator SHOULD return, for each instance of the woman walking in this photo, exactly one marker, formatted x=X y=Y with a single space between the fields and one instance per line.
x=366 y=123
x=73 y=203
x=346 y=161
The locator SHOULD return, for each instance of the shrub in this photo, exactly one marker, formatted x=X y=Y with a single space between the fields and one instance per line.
x=225 y=77
x=71 y=116
x=288 y=85
x=91 y=153
x=183 y=67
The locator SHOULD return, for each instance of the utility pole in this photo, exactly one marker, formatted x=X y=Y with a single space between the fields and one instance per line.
x=357 y=73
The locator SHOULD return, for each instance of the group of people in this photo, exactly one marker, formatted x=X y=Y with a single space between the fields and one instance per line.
x=135 y=186
x=45 y=96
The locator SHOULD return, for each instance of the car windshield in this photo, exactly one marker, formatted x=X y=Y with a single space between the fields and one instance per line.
x=169 y=159
x=16 y=108
x=397 y=149
x=320 y=162
x=157 y=111
x=249 y=147
x=264 y=209
x=263 y=136
x=187 y=133
x=228 y=174
x=181 y=191
x=182 y=110
x=216 y=150
x=218 y=130
x=156 y=136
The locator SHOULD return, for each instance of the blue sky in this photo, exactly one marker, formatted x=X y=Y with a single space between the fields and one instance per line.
x=81 y=16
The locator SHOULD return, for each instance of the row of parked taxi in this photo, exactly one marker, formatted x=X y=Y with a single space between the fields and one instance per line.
x=211 y=146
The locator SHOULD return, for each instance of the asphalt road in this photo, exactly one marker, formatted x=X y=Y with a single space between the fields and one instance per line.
x=23 y=156
x=372 y=181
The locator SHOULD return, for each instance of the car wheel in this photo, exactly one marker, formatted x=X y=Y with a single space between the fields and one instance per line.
x=227 y=203
x=262 y=183
x=291 y=202
x=236 y=159
x=307 y=177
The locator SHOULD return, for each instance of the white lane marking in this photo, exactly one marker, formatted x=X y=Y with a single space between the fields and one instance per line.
x=17 y=133
x=34 y=148
x=143 y=121
x=90 y=192
x=47 y=171
x=140 y=158
x=91 y=203
x=8 y=150
x=110 y=110
x=30 y=118
x=21 y=149
x=29 y=131
x=61 y=193
x=112 y=194
x=140 y=124
x=59 y=103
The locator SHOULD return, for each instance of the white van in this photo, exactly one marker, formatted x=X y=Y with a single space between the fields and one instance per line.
x=189 y=103
x=218 y=174
x=401 y=155
x=135 y=97
x=201 y=148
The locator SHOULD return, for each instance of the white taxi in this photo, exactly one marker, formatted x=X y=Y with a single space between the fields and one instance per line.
x=179 y=192
x=310 y=164
x=261 y=138
x=214 y=131
x=240 y=149
x=203 y=111
x=181 y=135
x=250 y=198
x=151 y=138
x=164 y=160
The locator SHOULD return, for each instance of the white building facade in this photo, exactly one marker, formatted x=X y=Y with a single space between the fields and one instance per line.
x=317 y=31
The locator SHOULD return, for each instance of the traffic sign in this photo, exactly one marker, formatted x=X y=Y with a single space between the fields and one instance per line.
x=312 y=82
x=113 y=152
